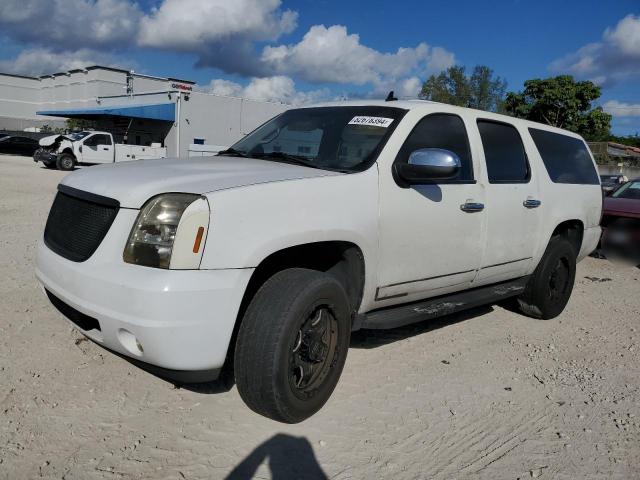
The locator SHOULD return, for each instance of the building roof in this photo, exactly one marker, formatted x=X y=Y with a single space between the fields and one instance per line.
x=96 y=67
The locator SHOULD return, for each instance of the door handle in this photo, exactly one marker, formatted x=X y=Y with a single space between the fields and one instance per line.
x=531 y=203
x=470 y=207
x=105 y=148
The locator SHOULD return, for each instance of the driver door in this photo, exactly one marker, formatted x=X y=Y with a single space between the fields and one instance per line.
x=431 y=235
x=98 y=148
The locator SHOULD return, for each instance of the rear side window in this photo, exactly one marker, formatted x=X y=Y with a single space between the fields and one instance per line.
x=566 y=159
x=104 y=140
x=98 y=139
x=503 y=152
x=441 y=130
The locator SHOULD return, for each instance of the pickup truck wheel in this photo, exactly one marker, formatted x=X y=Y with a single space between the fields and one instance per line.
x=292 y=344
x=549 y=288
x=66 y=162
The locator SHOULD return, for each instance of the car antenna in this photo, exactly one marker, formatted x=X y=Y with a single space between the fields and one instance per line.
x=391 y=97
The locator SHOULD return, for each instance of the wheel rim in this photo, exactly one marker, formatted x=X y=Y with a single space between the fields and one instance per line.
x=559 y=279
x=313 y=351
x=67 y=163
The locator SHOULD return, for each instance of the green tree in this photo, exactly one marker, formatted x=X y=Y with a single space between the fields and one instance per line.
x=481 y=90
x=75 y=124
x=561 y=102
x=631 y=140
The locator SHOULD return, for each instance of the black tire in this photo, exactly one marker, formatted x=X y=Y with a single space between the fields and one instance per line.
x=549 y=288
x=278 y=340
x=66 y=162
x=50 y=165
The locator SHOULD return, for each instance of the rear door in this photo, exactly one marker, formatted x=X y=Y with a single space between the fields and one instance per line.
x=512 y=203
x=98 y=148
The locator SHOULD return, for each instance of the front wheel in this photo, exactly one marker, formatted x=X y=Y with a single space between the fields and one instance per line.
x=292 y=344
x=549 y=288
x=66 y=161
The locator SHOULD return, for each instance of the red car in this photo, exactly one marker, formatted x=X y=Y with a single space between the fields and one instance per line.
x=621 y=223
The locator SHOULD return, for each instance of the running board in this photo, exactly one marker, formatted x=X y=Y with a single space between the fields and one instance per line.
x=399 y=316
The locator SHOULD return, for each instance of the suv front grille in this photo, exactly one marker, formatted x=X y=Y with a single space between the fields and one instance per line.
x=77 y=223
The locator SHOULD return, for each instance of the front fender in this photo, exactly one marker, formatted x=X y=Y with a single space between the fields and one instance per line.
x=250 y=223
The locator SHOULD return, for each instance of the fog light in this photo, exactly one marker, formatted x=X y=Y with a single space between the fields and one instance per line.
x=130 y=342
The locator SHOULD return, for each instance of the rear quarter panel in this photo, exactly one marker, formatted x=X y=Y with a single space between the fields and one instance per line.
x=563 y=201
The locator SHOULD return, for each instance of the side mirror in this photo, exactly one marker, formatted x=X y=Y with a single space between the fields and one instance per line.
x=428 y=164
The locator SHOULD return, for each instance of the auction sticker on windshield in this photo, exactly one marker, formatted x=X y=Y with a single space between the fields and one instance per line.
x=371 y=121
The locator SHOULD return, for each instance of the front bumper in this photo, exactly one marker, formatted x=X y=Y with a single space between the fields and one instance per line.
x=44 y=156
x=180 y=320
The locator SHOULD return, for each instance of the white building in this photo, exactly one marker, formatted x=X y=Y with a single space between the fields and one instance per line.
x=137 y=109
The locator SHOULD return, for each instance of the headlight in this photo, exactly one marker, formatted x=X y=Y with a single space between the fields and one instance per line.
x=169 y=227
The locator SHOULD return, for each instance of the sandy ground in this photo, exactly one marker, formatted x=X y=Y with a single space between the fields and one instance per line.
x=485 y=394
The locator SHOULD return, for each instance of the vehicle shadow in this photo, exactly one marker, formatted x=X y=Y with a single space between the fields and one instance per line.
x=288 y=457
x=376 y=338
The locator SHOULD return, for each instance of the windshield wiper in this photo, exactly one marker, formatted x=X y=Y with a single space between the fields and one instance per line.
x=287 y=157
x=232 y=152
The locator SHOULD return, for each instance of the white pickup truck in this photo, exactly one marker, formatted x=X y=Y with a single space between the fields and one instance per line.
x=324 y=220
x=64 y=152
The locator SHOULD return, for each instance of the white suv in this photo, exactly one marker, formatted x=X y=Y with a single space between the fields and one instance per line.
x=322 y=221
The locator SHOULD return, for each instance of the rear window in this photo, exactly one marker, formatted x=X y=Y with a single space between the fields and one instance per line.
x=566 y=159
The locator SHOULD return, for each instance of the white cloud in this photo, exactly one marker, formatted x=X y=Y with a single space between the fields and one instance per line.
x=615 y=58
x=622 y=109
x=39 y=61
x=226 y=88
x=192 y=24
x=410 y=87
x=67 y=24
x=626 y=35
x=333 y=55
x=222 y=34
x=278 y=88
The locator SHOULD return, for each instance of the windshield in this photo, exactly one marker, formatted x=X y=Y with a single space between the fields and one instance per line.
x=629 y=190
x=77 y=135
x=332 y=138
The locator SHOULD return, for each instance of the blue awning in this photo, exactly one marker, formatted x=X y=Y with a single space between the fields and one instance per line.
x=159 y=111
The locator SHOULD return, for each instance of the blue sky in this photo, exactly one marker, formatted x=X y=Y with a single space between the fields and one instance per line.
x=300 y=51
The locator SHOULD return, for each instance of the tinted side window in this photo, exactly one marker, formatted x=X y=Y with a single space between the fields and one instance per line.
x=440 y=130
x=503 y=152
x=103 y=140
x=565 y=158
x=98 y=139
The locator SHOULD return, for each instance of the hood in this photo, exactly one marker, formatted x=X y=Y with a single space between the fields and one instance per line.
x=133 y=183
x=50 y=140
x=627 y=207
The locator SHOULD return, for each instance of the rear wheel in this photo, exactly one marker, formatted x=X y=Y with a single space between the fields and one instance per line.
x=66 y=161
x=550 y=286
x=292 y=344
